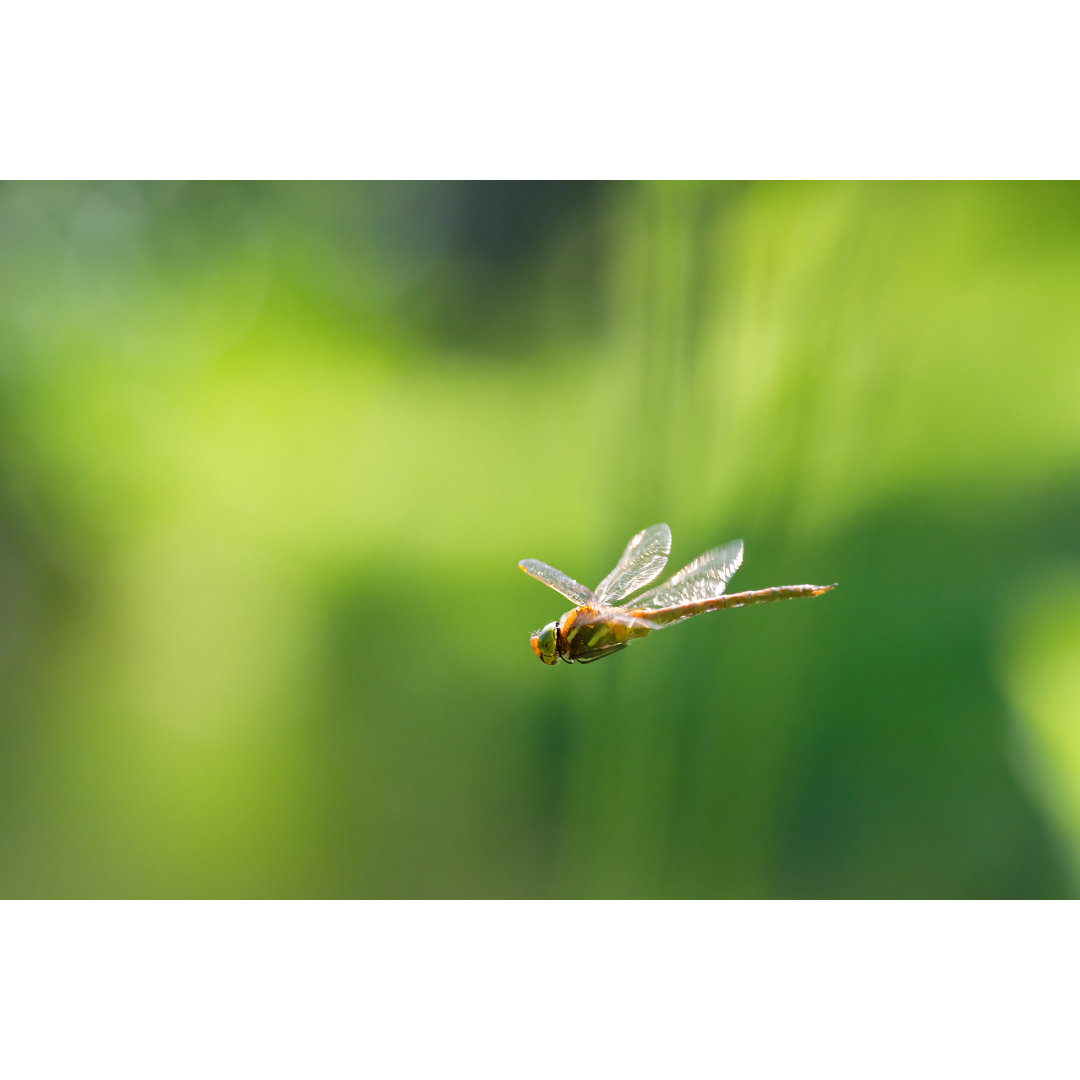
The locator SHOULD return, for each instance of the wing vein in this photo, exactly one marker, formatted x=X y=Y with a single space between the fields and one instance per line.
x=703 y=579
x=644 y=558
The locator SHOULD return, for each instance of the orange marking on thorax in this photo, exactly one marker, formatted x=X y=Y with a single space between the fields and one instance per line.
x=571 y=617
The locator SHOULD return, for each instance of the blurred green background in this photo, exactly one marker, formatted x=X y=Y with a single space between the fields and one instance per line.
x=269 y=455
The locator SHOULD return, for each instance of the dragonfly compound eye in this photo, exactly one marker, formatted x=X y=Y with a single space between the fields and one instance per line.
x=545 y=643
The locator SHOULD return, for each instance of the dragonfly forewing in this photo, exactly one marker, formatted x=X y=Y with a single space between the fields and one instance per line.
x=644 y=558
x=560 y=582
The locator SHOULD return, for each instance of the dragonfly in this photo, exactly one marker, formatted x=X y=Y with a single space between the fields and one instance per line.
x=606 y=620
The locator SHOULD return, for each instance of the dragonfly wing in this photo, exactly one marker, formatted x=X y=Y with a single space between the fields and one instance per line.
x=645 y=556
x=703 y=579
x=557 y=580
x=624 y=618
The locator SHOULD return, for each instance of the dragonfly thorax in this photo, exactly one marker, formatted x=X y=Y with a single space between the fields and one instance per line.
x=545 y=643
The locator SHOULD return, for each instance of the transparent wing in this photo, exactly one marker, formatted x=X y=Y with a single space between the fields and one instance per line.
x=645 y=556
x=703 y=579
x=623 y=618
x=557 y=580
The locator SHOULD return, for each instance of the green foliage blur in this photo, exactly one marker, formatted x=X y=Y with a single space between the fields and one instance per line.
x=270 y=453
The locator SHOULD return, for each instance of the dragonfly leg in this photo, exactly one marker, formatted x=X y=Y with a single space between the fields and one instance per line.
x=599 y=654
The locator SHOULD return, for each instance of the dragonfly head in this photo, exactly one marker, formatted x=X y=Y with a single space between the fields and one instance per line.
x=545 y=643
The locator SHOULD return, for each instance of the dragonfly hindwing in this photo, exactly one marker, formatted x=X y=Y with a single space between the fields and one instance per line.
x=703 y=579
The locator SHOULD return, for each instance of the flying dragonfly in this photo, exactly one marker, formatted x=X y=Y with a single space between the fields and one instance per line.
x=606 y=620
